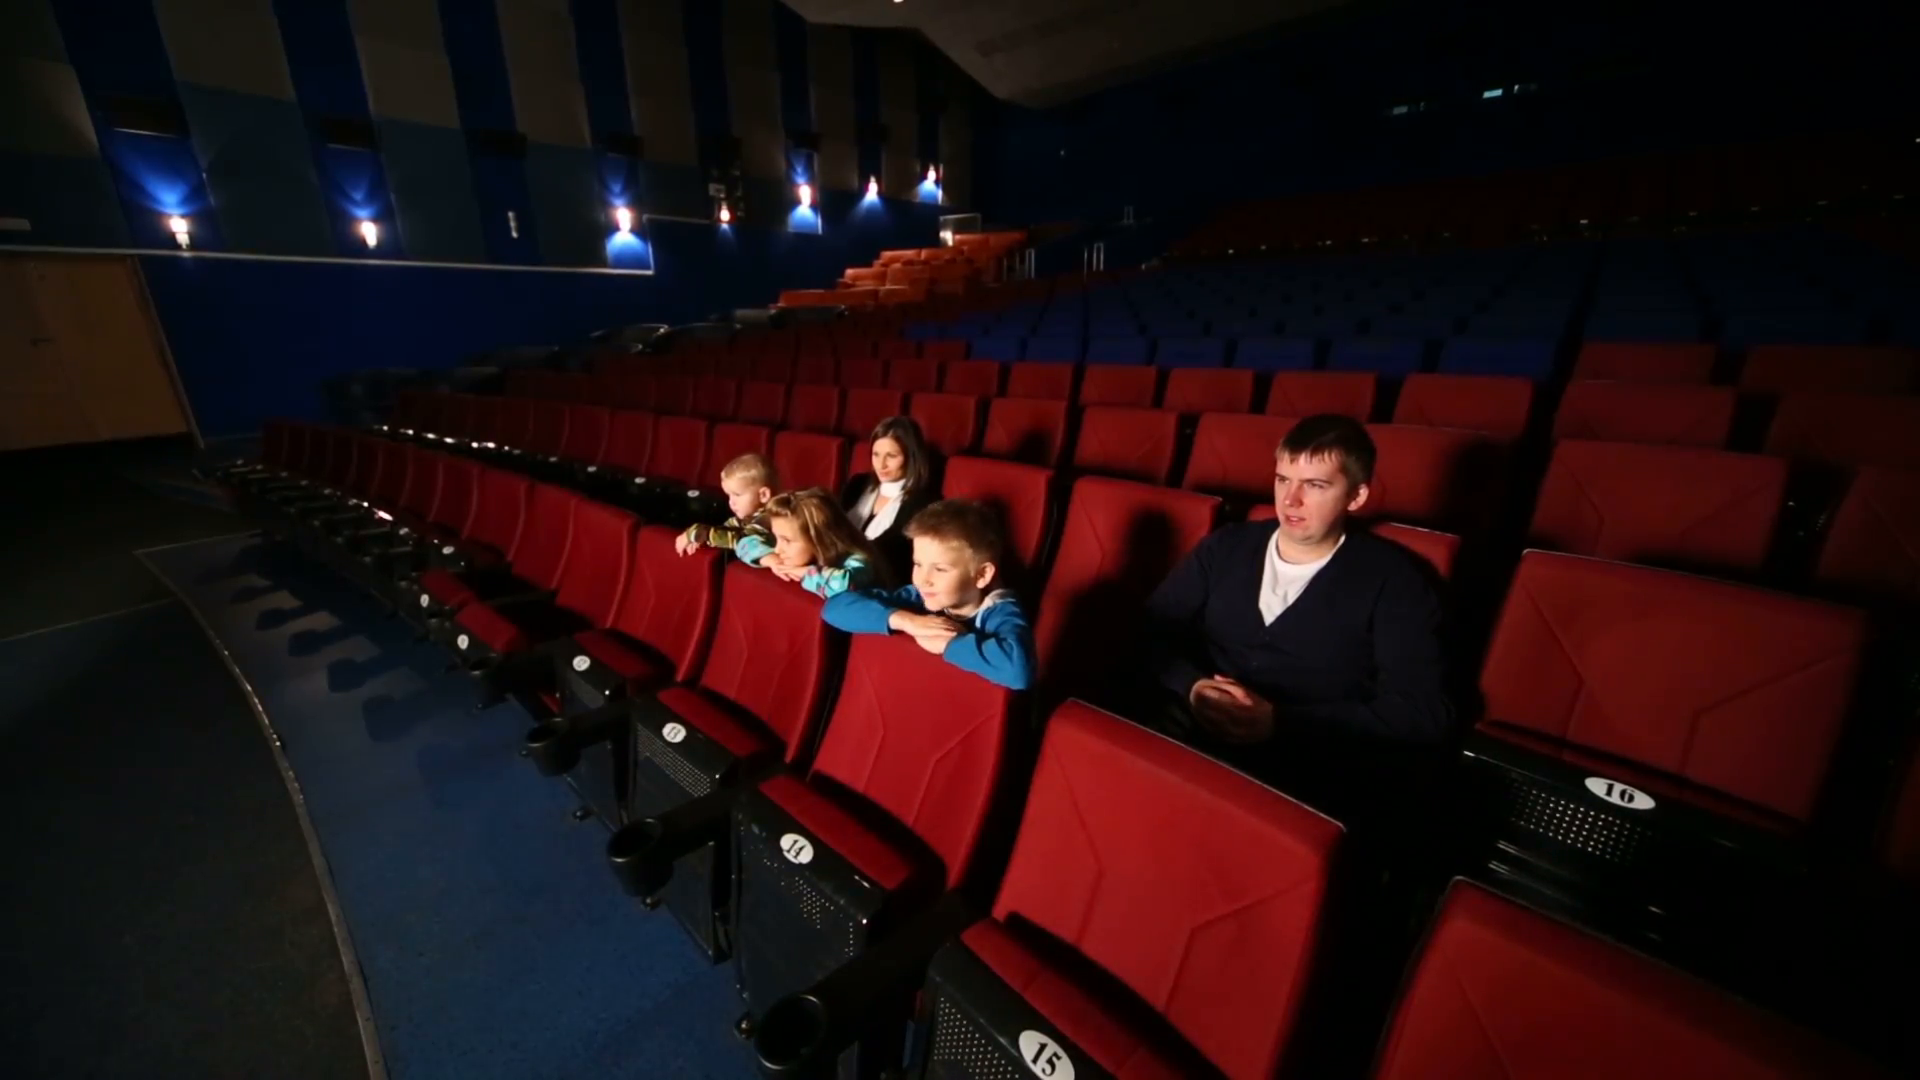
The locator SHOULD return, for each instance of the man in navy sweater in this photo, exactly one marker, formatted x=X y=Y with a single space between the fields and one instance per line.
x=1302 y=650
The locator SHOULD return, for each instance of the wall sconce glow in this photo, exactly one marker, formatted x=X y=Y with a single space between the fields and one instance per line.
x=182 y=233
x=805 y=191
x=726 y=214
x=933 y=174
x=929 y=191
x=623 y=219
x=873 y=184
x=946 y=237
x=370 y=232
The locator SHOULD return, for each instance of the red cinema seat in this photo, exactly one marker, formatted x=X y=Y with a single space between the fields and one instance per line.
x=772 y=369
x=1204 y=390
x=890 y=816
x=981 y=378
x=460 y=418
x=1630 y=362
x=546 y=429
x=1316 y=393
x=896 y=349
x=1137 y=854
x=1495 y=405
x=814 y=408
x=807 y=459
x=729 y=441
x=1116 y=384
x=862 y=373
x=1847 y=429
x=716 y=397
x=1233 y=456
x=1872 y=548
x=679 y=452
x=816 y=369
x=1030 y=430
x=587 y=431
x=913 y=376
x=1119 y=540
x=717 y=731
x=1668 y=414
x=1846 y=369
x=951 y=422
x=631 y=391
x=856 y=345
x=865 y=409
x=1437 y=477
x=659 y=630
x=1438 y=550
x=946 y=352
x=1133 y=444
x=1020 y=494
x=1502 y=992
x=1677 y=506
x=763 y=403
x=511 y=421
x=506 y=550
x=673 y=395
x=596 y=555
x=1050 y=382
x=629 y=442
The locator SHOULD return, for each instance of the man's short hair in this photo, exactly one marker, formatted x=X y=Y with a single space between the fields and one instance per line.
x=754 y=468
x=964 y=523
x=1330 y=435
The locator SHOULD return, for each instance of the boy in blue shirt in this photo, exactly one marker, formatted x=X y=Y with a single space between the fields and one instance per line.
x=953 y=608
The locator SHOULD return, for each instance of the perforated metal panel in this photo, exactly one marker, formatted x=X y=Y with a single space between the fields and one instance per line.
x=961 y=1049
x=1586 y=828
x=660 y=780
x=650 y=748
x=791 y=931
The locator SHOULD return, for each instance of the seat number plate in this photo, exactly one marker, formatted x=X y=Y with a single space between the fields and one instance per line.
x=1044 y=1057
x=1619 y=794
x=581 y=663
x=463 y=641
x=675 y=731
x=798 y=849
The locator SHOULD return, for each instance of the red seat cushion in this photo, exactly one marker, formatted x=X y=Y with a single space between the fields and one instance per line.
x=710 y=719
x=445 y=589
x=634 y=662
x=500 y=633
x=1095 y=1028
x=835 y=828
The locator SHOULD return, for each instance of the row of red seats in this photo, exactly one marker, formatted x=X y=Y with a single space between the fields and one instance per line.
x=1656 y=730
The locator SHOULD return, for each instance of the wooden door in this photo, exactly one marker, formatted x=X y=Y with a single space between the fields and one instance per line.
x=81 y=357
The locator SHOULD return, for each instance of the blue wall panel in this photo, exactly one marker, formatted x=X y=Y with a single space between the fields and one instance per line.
x=69 y=200
x=707 y=75
x=116 y=48
x=796 y=77
x=428 y=174
x=322 y=57
x=159 y=176
x=603 y=67
x=481 y=87
x=354 y=185
x=258 y=162
x=574 y=213
x=866 y=100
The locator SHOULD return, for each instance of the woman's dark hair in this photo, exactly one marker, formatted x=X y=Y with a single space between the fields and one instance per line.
x=905 y=430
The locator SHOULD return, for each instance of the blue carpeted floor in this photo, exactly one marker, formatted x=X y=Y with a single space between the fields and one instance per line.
x=493 y=940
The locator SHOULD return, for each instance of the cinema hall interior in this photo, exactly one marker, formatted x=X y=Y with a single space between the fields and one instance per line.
x=959 y=540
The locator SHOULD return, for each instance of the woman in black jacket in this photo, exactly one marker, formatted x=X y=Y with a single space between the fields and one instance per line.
x=897 y=484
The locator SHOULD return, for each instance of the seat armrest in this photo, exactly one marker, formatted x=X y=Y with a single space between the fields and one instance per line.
x=643 y=852
x=803 y=1034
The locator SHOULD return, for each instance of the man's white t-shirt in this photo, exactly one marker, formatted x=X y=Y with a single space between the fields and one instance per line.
x=1282 y=582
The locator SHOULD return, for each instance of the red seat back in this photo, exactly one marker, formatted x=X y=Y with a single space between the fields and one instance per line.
x=1134 y=444
x=894 y=349
x=1047 y=382
x=981 y=378
x=920 y=739
x=1118 y=541
x=1438 y=550
x=587 y=427
x=458 y=417
x=392 y=474
x=1847 y=429
x=951 y=422
x=1495 y=405
x=1202 y=390
x=513 y=422
x=679 y=450
x=1116 y=384
x=913 y=376
x=632 y=391
x=423 y=483
x=815 y=369
x=864 y=409
x=946 y=352
x=673 y=395
x=1678 y=506
x=1436 y=476
x=1134 y=851
x=1019 y=493
x=1501 y=992
x=1312 y=393
x=772 y=368
x=729 y=441
x=1233 y=455
x=1026 y=429
x=1872 y=549
x=763 y=403
x=716 y=397
x=1632 y=362
x=540 y=551
x=599 y=560
x=814 y=408
x=546 y=428
x=1851 y=369
x=629 y=440
x=1670 y=414
x=807 y=460
x=1736 y=689
x=671 y=601
x=762 y=618
x=457 y=500
x=862 y=373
